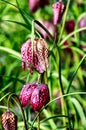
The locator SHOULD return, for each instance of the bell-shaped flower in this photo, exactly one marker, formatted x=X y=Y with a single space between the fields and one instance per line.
x=9 y=120
x=58 y=9
x=40 y=97
x=35 y=55
x=26 y=93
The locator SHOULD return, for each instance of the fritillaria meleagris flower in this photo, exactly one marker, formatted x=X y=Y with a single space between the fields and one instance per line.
x=34 y=5
x=26 y=93
x=69 y=26
x=40 y=97
x=82 y=22
x=48 y=25
x=58 y=9
x=9 y=120
x=35 y=55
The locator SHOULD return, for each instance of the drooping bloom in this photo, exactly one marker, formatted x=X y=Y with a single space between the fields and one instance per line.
x=48 y=25
x=35 y=55
x=9 y=120
x=26 y=93
x=34 y=5
x=82 y=22
x=40 y=97
x=58 y=10
x=69 y=26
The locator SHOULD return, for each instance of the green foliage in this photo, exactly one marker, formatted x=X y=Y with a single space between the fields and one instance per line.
x=66 y=76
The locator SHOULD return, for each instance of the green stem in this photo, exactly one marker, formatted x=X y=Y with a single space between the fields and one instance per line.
x=64 y=105
x=32 y=38
x=58 y=49
x=62 y=96
x=8 y=104
x=74 y=74
x=37 y=22
x=34 y=120
x=51 y=122
x=38 y=120
x=60 y=80
x=71 y=34
x=64 y=20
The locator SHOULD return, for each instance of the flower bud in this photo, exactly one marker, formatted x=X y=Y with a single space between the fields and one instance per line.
x=82 y=22
x=69 y=26
x=26 y=93
x=9 y=121
x=37 y=57
x=34 y=5
x=58 y=9
x=40 y=97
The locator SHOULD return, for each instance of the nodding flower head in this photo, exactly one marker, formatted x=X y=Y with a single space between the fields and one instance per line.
x=9 y=120
x=26 y=93
x=34 y=5
x=69 y=26
x=58 y=9
x=82 y=22
x=48 y=25
x=35 y=55
x=40 y=97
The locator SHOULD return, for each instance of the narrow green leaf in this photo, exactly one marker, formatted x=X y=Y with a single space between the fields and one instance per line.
x=80 y=111
x=6 y=87
x=19 y=23
x=25 y=16
x=12 y=52
x=54 y=117
x=9 y=3
x=74 y=74
x=3 y=107
x=71 y=34
x=4 y=96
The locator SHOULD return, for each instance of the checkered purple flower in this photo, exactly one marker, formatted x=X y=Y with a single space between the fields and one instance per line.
x=58 y=9
x=35 y=55
x=40 y=97
x=9 y=120
x=26 y=93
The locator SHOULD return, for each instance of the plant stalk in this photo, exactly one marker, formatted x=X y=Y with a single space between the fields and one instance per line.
x=8 y=104
x=38 y=120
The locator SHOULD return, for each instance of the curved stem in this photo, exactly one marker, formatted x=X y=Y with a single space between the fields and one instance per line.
x=74 y=74
x=37 y=22
x=64 y=20
x=38 y=120
x=71 y=34
x=60 y=80
x=8 y=104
